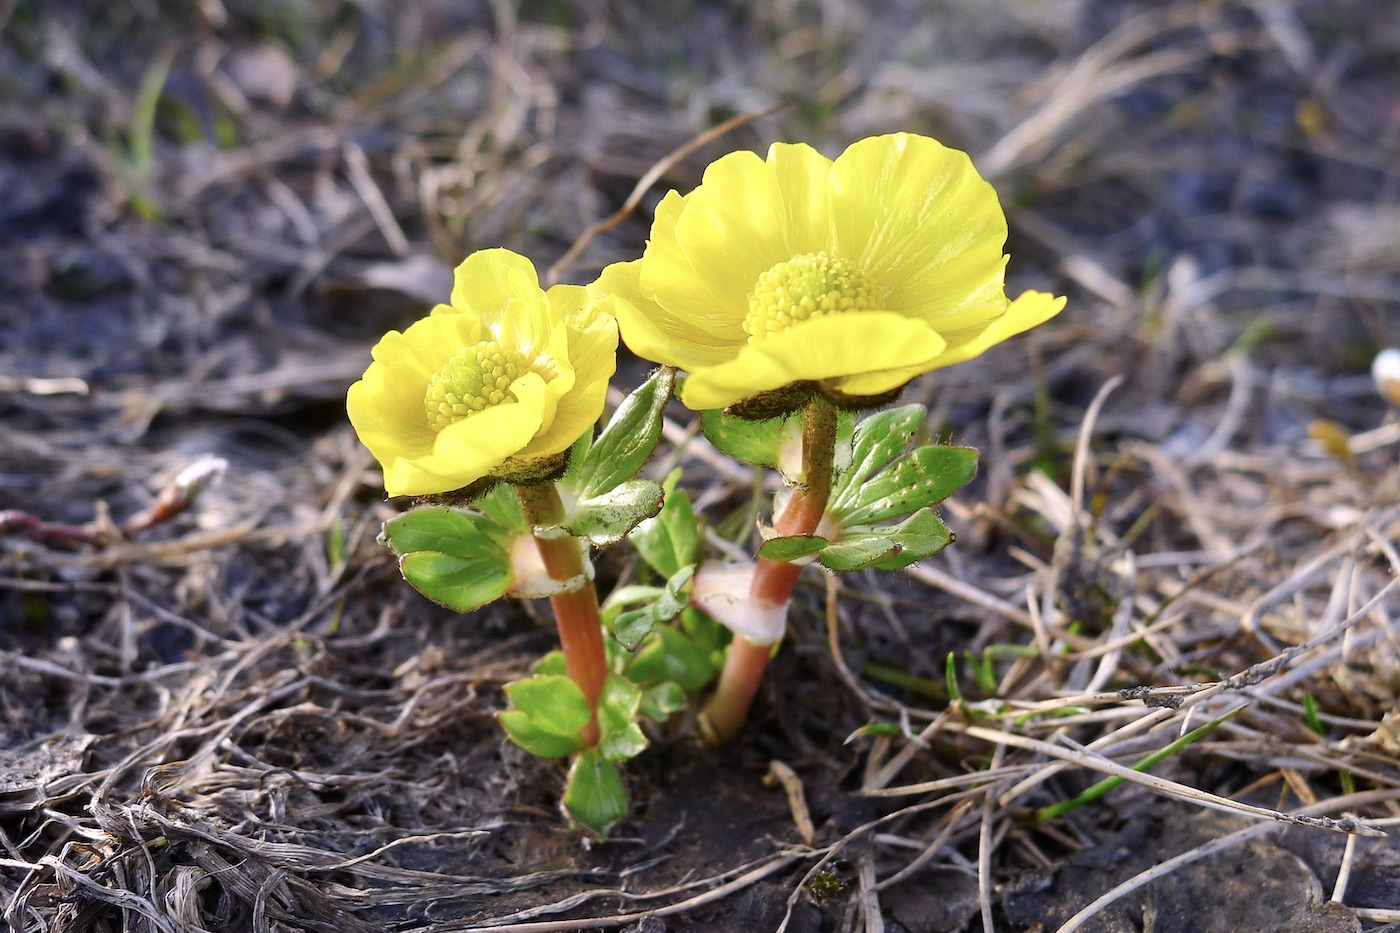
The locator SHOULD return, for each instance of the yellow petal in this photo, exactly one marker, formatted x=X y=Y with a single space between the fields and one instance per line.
x=917 y=217
x=526 y=321
x=1029 y=310
x=746 y=217
x=549 y=337
x=386 y=405
x=691 y=309
x=471 y=448
x=480 y=285
x=434 y=339
x=593 y=356
x=394 y=349
x=386 y=408
x=554 y=390
x=591 y=334
x=651 y=331
x=878 y=383
x=909 y=219
x=879 y=345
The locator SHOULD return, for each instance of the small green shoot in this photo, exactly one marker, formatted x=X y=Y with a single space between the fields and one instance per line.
x=983 y=671
x=335 y=544
x=136 y=159
x=924 y=686
x=1045 y=814
x=1310 y=715
x=880 y=728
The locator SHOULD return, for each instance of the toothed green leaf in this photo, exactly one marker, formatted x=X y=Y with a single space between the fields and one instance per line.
x=607 y=517
x=457 y=558
x=795 y=547
x=667 y=542
x=923 y=477
x=548 y=713
x=594 y=796
x=888 y=547
x=619 y=736
x=628 y=440
x=663 y=604
x=661 y=700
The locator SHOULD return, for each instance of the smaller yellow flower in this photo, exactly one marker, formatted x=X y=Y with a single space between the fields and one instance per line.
x=850 y=276
x=499 y=383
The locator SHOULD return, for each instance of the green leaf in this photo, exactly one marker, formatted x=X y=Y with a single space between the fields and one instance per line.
x=630 y=627
x=439 y=528
x=608 y=517
x=457 y=558
x=594 y=796
x=549 y=712
x=1097 y=790
x=877 y=440
x=619 y=736
x=461 y=582
x=950 y=679
x=759 y=443
x=923 y=477
x=772 y=442
x=889 y=547
x=552 y=663
x=629 y=438
x=659 y=701
x=625 y=596
x=880 y=728
x=858 y=550
x=502 y=506
x=667 y=542
x=983 y=671
x=921 y=535
x=795 y=547
x=577 y=455
x=1314 y=722
x=669 y=655
x=881 y=485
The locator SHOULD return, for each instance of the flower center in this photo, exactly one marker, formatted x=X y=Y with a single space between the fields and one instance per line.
x=474 y=379
x=804 y=287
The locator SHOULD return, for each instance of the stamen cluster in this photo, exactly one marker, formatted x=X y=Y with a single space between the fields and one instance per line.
x=807 y=286
x=474 y=379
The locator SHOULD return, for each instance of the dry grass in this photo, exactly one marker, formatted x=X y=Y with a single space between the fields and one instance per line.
x=239 y=718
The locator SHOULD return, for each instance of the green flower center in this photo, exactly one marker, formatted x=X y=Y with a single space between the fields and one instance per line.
x=805 y=287
x=475 y=378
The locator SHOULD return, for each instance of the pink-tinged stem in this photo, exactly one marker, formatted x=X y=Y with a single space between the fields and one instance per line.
x=773 y=580
x=575 y=611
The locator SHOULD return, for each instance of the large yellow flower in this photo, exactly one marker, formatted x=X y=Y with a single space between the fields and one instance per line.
x=497 y=384
x=853 y=276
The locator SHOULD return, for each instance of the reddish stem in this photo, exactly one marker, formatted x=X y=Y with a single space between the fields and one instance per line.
x=728 y=709
x=773 y=581
x=576 y=610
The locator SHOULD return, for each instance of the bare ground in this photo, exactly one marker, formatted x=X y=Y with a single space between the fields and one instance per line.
x=241 y=718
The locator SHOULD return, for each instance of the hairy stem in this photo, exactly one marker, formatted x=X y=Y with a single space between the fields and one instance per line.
x=773 y=580
x=576 y=610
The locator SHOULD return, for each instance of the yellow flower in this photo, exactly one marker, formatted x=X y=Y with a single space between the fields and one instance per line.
x=855 y=275
x=499 y=383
